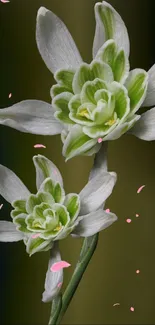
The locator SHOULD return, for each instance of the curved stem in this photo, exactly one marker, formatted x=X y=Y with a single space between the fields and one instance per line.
x=86 y=254
x=55 y=310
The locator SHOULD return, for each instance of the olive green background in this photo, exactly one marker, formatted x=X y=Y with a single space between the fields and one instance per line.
x=123 y=248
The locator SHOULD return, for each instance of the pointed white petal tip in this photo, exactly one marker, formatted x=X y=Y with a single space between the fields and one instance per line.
x=42 y=11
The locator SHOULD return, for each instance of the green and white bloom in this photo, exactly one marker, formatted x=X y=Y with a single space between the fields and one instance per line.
x=44 y=218
x=92 y=102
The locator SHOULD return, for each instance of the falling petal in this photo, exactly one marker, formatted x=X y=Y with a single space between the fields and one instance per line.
x=128 y=220
x=58 y=266
x=140 y=188
x=1 y=206
x=137 y=271
x=39 y=146
x=35 y=236
x=10 y=95
x=99 y=140
x=132 y=308
x=117 y=304
x=59 y=284
x=4 y=1
x=137 y=215
x=107 y=210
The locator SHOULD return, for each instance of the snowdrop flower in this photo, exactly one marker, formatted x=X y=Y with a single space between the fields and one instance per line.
x=92 y=102
x=42 y=219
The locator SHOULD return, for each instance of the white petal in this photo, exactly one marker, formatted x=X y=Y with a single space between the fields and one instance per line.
x=11 y=187
x=53 y=279
x=145 y=128
x=97 y=191
x=109 y=25
x=8 y=232
x=94 y=222
x=44 y=169
x=55 y=43
x=31 y=116
x=150 y=95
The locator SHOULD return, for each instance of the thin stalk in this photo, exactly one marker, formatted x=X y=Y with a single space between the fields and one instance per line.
x=55 y=310
x=86 y=254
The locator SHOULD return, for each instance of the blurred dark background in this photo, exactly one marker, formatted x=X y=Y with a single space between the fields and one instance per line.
x=123 y=248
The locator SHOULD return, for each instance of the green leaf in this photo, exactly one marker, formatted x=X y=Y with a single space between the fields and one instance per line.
x=74 y=103
x=122 y=102
x=109 y=25
x=59 y=193
x=45 y=169
x=57 y=90
x=65 y=78
x=122 y=128
x=86 y=72
x=107 y=52
x=136 y=85
x=121 y=67
x=89 y=90
x=63 y=117
x=35 y=245
x=77 y=142
x=60 y=102
x=72 y=203
x=99 y=131
x=62 y=212
x=19 y=221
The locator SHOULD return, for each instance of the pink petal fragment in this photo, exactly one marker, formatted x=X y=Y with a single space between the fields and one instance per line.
x=137 y=215
x=117 y=304
x=140 y=189
x=4 y=1
x=99 y=140
x=132 y=308
x=107 y=210
x=137 y=271
x=59 y=265
x=59 y=284
x=10 y=95
x=128 y=220
x=1 y=206
x=39 y=146
x=35 y=236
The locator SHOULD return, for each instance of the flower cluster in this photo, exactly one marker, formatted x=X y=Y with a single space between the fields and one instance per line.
x=92 y=102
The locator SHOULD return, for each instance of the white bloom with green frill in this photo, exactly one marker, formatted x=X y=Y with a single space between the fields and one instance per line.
x=92 y=102
x=50 y=215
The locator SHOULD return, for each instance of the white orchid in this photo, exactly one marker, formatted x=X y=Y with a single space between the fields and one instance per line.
x=91 y=102
x=42 y=219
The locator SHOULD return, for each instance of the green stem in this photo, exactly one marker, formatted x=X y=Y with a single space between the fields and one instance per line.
x=55 y=310
x=86 y=254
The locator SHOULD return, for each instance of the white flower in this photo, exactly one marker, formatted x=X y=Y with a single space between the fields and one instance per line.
x=92 y=101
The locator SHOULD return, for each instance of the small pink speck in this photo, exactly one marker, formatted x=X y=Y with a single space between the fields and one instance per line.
x=4 y=1
x=35 y=236
x=99 y=140
x=137 y=215
x=137 y=271
x=1 y=206
x=107 y=210
x=10 y=95
x=59 y=284
x=140 y=189
x=132 y=309
x=59 y=265
x=117 y=304
x=39 y=146
x=128 y=220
